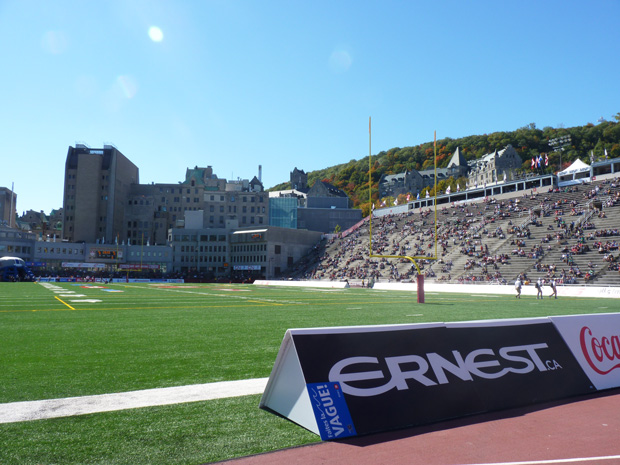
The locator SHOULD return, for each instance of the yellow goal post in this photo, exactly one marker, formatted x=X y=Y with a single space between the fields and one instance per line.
x=407 y=257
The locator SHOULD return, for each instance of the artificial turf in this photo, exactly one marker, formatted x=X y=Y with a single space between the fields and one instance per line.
x=56 y=344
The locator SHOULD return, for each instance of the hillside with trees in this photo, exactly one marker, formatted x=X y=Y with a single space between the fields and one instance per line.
x=529 y=141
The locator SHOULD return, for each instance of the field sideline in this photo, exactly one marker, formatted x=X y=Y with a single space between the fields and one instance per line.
x=69 y=340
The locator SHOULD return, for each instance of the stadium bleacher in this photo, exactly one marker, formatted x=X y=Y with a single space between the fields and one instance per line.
x=570 y=234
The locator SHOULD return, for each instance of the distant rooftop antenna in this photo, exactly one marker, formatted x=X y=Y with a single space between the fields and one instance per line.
x=260 y=173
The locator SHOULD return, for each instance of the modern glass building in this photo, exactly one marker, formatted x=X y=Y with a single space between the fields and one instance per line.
x=283 y=212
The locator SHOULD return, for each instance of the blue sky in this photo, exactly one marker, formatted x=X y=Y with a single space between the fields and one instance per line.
x=235 y=84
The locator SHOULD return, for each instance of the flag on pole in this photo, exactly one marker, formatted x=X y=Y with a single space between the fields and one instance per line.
x=408 y=197
x=395 y=202
x=533 y=163
x=458 y=188
x=427 y=195
x=546 y=159
x=418 y=196
x=605 y=153
x=448 y=190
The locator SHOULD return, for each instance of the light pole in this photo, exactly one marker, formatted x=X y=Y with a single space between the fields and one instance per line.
x=559 y=144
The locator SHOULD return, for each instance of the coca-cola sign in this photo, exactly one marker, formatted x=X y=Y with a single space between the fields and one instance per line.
x=602 y=353
x=595 y=342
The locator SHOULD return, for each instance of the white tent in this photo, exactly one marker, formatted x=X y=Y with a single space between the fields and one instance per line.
x=577 y=167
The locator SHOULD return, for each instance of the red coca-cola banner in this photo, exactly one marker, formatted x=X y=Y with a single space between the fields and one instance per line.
x=595 y=343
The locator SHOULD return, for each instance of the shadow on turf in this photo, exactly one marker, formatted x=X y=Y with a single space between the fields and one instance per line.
x=378 y=438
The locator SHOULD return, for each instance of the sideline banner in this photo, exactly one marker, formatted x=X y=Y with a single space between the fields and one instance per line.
x=595 y=342
x=340 y=382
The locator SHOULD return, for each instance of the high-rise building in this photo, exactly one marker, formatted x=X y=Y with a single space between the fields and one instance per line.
x=8 y=200
x=97 y=182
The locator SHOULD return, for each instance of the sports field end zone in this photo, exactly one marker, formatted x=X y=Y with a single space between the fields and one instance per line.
x=148 y=337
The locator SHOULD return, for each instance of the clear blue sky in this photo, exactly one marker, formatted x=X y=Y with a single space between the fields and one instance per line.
x=284 y=84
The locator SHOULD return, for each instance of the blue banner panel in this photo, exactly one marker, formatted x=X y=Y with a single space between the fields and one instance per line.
x=403 y=377
x=331 y=411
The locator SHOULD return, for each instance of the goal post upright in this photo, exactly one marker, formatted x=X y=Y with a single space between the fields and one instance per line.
x=420 y=276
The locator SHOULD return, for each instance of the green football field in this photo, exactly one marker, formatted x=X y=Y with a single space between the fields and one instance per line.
x=95 y=339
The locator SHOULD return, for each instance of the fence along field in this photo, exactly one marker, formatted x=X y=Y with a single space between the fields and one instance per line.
x=147 y=336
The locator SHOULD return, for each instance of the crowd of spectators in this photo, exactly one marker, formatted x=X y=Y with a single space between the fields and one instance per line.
x=480 y=241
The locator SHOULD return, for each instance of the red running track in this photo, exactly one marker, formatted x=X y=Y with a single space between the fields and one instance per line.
x=582 y=430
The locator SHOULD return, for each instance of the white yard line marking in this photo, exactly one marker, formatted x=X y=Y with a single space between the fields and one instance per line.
x=227 y=296
x=559 y=461
x=54 y=408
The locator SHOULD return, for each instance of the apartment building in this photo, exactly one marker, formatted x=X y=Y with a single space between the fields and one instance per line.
x=97 y=183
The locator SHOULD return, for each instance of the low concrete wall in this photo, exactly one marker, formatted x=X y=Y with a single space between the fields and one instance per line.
x=323 y=284
x=530 y=290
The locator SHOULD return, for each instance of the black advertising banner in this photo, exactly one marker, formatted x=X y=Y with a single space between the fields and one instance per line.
x=378 y=373
x=400 y=377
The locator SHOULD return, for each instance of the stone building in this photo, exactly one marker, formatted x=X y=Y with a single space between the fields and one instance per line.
x=415 y=181
x=299 y=180
x=153 y=209
x=494 y=167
